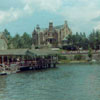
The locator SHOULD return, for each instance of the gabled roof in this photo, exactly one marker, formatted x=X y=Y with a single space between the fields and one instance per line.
x=2 y=43
x=2 y=36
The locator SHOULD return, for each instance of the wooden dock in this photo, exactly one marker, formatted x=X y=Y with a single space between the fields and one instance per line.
x=38 y=64
x=24 y=59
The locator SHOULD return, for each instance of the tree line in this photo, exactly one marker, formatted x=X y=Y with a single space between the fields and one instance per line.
x=18 y=41
x=73 y=41
x=82 y=41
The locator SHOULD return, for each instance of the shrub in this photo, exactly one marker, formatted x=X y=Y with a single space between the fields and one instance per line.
x=78 y=57
x=62 y=57
x=90 y=53
x=36 y=47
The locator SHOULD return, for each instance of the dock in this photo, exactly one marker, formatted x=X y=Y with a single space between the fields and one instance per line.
x=15 y=60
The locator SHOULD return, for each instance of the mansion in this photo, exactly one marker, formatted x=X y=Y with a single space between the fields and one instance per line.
x=51 y=36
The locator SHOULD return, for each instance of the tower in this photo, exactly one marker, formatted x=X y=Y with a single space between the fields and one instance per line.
x=65 y=22
x=50 y=25
x=38 y=27
x=34 y=38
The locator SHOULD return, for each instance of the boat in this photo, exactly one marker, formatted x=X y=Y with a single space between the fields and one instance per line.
x=3 y=73
x=5 y=70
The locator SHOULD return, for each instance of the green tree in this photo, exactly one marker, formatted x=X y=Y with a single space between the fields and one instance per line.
x=26 y=40
x=6 y=33
x=78 y=40
x=90 y=53
x=17 y=42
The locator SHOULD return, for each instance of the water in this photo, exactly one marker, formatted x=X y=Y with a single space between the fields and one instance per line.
x=68 y=82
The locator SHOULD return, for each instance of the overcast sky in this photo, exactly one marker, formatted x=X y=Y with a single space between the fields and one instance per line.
x=20 y=16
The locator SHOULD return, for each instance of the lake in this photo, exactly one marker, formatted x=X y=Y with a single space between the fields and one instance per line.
x=67 y=82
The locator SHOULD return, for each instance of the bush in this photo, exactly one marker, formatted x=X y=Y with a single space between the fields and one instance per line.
x=78 y=57
x=36 y=47
x=90 y=53
x=62 y=57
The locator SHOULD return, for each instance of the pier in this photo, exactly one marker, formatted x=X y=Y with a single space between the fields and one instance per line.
x=14 y=60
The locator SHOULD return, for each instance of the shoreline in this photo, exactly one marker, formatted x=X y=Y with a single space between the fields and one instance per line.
x=76 y=61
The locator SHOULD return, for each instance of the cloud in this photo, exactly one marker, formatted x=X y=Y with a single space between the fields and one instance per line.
x=96 y=19
x=13 y=14
x=28 y=7
x=79 y=13
x=9 y=15
x=50 y=5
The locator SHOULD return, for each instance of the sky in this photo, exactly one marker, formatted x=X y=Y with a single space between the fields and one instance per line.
x=19 y=16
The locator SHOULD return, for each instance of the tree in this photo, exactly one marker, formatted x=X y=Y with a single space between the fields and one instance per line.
x=78 y=40
x=94 y=40
x=26 y=40
x=6 y=33
x=17 y=42
x=90 y=53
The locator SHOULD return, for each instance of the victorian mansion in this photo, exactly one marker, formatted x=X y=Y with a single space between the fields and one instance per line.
x=50 y=37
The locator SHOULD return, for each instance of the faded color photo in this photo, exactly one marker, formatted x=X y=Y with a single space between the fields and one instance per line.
x=49 y=50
